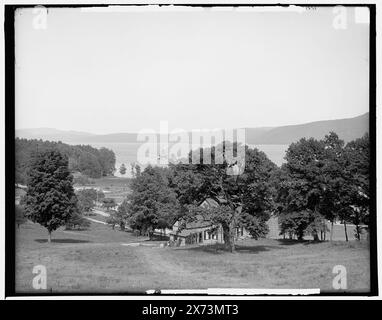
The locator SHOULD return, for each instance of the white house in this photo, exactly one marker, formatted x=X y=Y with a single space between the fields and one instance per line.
x=201 y=230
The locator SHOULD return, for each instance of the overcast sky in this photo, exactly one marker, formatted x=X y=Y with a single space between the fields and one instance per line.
x=121 y=72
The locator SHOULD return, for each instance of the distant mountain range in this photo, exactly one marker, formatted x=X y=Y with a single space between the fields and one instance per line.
x=347 y=129
x=51 y=134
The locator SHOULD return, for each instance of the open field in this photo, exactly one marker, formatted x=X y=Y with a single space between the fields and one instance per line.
x=98 y=260
x=114 y=187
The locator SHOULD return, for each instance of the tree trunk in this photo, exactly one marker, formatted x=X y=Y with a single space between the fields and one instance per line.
x=49 y=236
x=229 y=237
x=358 y=232
x=300 y=234
x=331 y=231
x=346 y=231
x=315 y=235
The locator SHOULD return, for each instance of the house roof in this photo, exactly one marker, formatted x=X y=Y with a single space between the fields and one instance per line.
x=213 y=202
x=209 y=202
x=200 y=222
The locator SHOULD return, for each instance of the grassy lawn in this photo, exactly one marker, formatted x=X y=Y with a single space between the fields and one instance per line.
x=98 y=260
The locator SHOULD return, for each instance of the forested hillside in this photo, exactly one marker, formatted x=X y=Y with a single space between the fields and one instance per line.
x=83 y=158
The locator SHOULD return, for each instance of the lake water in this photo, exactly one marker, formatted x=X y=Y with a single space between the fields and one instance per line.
x=127 y=152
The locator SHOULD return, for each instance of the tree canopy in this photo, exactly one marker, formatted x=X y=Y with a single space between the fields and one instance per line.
x=50 y=199
x=87 y=198
x=152 y=204
x=323 y=179
x=247 y=196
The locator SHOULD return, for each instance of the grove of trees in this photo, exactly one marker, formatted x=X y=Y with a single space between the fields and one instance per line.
x=90 y=161
x=321 y=180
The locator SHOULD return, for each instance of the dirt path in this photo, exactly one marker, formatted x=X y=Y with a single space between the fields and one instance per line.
x=100 y=212
x=96 y=221
x=155 y=259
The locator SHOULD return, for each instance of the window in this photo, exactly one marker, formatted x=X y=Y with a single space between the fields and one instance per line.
x=206 y=235
x=215 y=235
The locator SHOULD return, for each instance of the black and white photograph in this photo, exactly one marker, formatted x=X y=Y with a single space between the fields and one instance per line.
x=192 y=150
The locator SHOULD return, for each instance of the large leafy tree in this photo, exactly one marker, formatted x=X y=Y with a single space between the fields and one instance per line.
x=246 y=194
x=152 y=204
x=50 y=199
x=356 y=191
x=331 y=205
x=86 y=200
x=118 y=217
x=300 y=188
x=107 y=161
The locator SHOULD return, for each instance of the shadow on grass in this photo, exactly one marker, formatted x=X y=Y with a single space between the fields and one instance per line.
x=290 y=242
x=155 y=240
x=257 y=249
x=62 y=241
x=221 y=249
